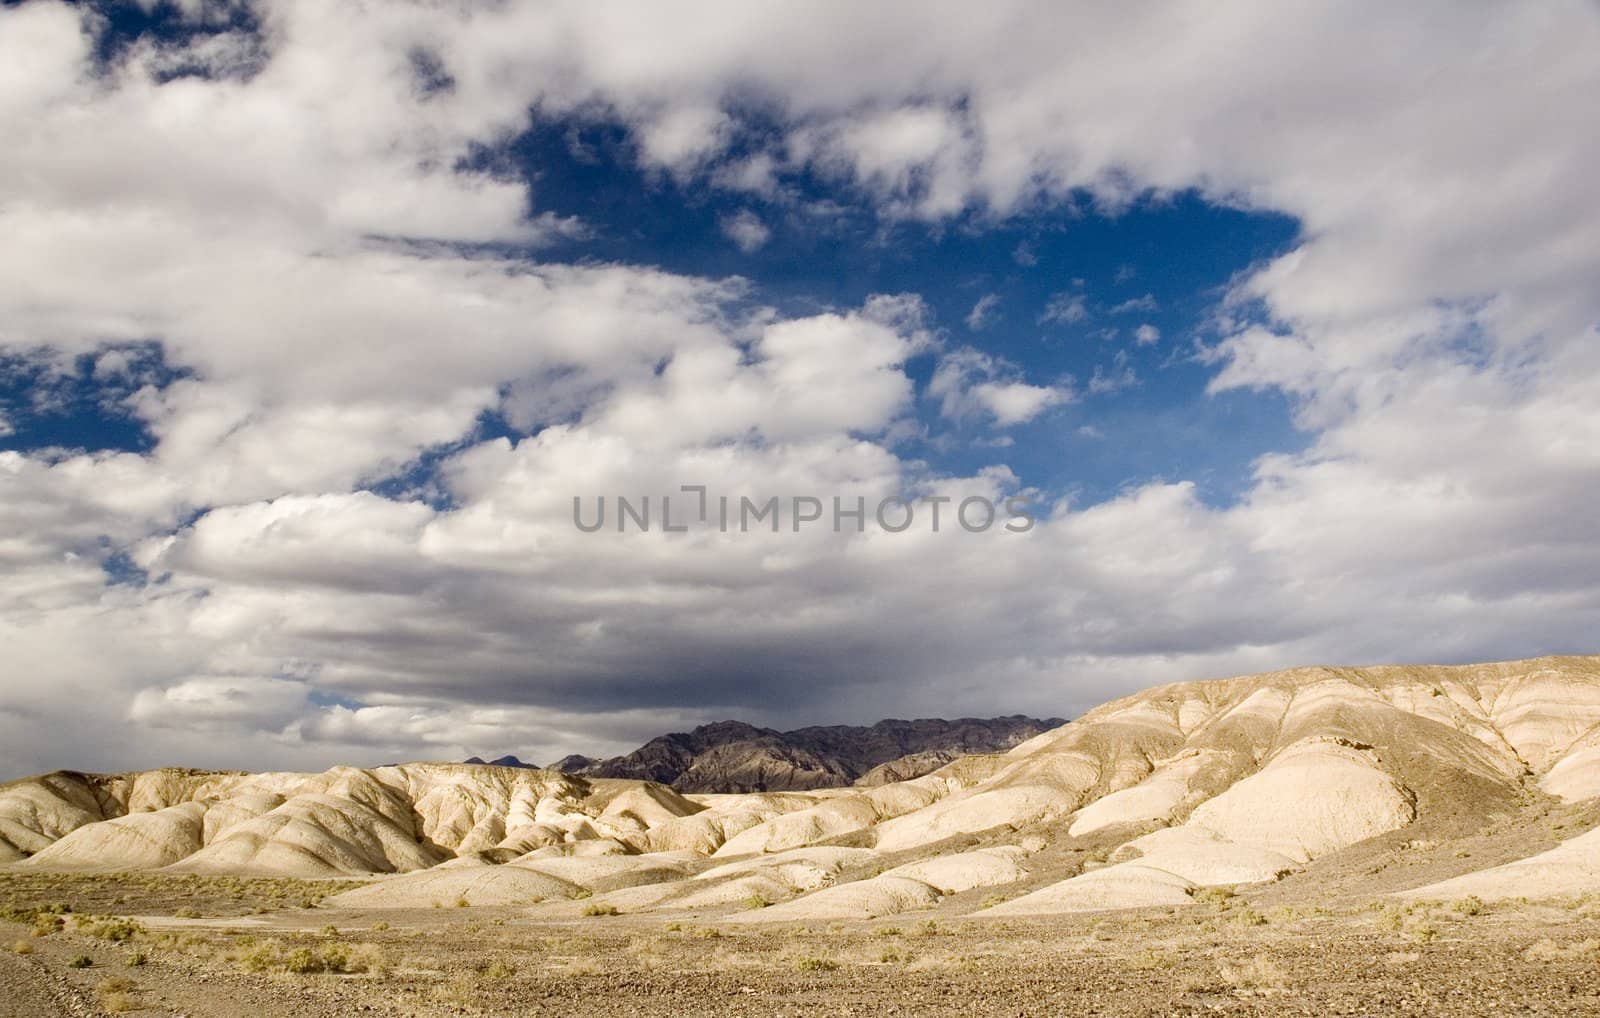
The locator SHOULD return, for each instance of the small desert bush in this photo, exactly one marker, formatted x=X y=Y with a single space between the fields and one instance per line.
x=497 y=970
x=81 y=961
x=1259 y=974
x=811 y=963
x=135 y=959
x=21 y=947
x=1470 y=905
x=115 y=995
x=302 y=961
x=117 y=931
x=1422 y=931
x=1149 y=960
x=756 y=901
x=600 y=910
x=274 y=955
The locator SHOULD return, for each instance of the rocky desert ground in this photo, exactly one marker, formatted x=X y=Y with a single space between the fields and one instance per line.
x=1389 y=840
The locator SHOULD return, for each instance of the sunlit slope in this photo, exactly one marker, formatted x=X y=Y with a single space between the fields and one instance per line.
x=1139 y=802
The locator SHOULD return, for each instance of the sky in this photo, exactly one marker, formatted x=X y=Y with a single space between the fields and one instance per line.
x=315 y=319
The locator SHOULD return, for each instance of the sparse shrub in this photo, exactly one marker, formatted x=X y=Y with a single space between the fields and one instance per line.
x=600 y=910
x=80 y=961
x=368 y=958
x=45 y=924
x=1149 y=960
x=1423 y=932
x=889 y=955
x=115 y=995
x=756 y=901
x=21 y=947
x=888 y=931
x=1259 y=974
x=379 y=926
x=257 y=957
x=187 y=913
x=1249 y=917
x=810 y=963
x=117 y=931
x=335 y=957
x=135 y=959
x=462 y=902
x=302 y=961
x=1470 y=905
x=498 y=969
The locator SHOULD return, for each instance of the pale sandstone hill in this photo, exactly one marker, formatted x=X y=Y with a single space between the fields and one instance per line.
x=1140 y=802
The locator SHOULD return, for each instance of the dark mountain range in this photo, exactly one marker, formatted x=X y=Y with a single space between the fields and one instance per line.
x=731 y=756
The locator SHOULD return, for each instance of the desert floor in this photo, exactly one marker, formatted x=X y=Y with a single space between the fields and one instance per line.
x=201 y=946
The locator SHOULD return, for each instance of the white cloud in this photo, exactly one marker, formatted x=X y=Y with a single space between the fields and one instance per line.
x=746 y=230
x=1118 y=376
x=291 y=236
x=1147 y=335
x=1146 y=303
x=969 y=382
x=983 y=312
x=1066 y=308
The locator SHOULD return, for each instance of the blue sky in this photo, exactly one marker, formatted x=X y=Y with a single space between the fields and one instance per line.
x=1162 y=262
x=313 y=322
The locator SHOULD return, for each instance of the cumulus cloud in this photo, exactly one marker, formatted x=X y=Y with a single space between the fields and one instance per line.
x=298 y=221
x=1065 y=308
x=746 y=230
x=969 y=381
x=1147 y=335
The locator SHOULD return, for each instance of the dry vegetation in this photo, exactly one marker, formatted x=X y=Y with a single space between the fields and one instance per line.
x=1230 y=952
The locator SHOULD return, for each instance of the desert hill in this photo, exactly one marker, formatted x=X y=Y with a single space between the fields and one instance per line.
x=731 y=756
x=1299 y=777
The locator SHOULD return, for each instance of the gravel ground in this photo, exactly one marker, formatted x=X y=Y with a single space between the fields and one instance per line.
x=1243 y=955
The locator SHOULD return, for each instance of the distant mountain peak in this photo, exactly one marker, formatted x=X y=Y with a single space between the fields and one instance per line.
x=735 y=756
